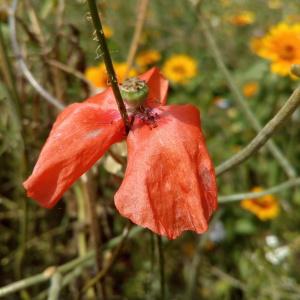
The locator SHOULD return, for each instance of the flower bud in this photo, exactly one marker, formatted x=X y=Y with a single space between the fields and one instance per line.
x=134 y=91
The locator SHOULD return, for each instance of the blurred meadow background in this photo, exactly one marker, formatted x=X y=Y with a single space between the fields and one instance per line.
x=230 y=58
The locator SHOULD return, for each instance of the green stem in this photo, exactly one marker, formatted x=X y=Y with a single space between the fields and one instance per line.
x=108 y=62
x=275 y=189
x=161 y=261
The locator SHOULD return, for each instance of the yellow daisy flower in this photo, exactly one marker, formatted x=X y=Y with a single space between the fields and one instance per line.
x=148 y=58
x=98 y=75
x=265 y=207
x=180 y=68
x=243 y=18
x=282 y=47
x=250 y=89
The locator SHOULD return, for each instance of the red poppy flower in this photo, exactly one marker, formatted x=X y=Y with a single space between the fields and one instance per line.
x=169 y=184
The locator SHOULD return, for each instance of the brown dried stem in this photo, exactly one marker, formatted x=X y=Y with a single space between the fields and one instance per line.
x=141 y=16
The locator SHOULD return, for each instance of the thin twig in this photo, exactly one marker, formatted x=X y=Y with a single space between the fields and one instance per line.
x=22 y=65
x=275 y=189
x=55 y=286
x=108 y=62
x=215 y=51
x=264 y=135
x=141 y=16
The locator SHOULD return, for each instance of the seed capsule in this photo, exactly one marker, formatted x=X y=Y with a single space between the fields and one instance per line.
x=134 y=91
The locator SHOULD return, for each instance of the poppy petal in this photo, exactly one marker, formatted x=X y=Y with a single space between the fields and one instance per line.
x=169 y=184
x=158 y=88
x=106 y=99
x=79 y=137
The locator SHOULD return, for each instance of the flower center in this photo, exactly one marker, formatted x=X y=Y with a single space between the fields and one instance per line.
x=179 y=69
x=134 y=91
x=147 y=115
x=262 y=204
x=288 y=52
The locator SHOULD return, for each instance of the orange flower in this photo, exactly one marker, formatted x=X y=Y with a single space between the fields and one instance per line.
x=281 y=46
x=250 y=89
x=265 y=207
x=243 y=18
x=169 y=185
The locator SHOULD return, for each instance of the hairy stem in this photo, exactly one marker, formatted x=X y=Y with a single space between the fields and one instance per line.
x=108 y=62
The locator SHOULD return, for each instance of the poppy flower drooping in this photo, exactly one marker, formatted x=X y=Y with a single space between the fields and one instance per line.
x=169 y=184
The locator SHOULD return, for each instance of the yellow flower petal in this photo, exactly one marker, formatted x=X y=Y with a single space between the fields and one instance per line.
x=265 y=207
x=180 y=68
x=281 y=46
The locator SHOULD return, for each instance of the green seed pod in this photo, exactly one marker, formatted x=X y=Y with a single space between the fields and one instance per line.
x=134 y=91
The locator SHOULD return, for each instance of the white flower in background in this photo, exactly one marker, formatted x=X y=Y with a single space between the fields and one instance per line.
x=277 y=255
x=272 y=241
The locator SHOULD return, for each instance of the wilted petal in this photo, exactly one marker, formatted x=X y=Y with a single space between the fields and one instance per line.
x=79 y=137
x=169 y=184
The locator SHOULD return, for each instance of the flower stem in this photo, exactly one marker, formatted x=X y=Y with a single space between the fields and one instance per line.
x=161 y=261
x=108 y=62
